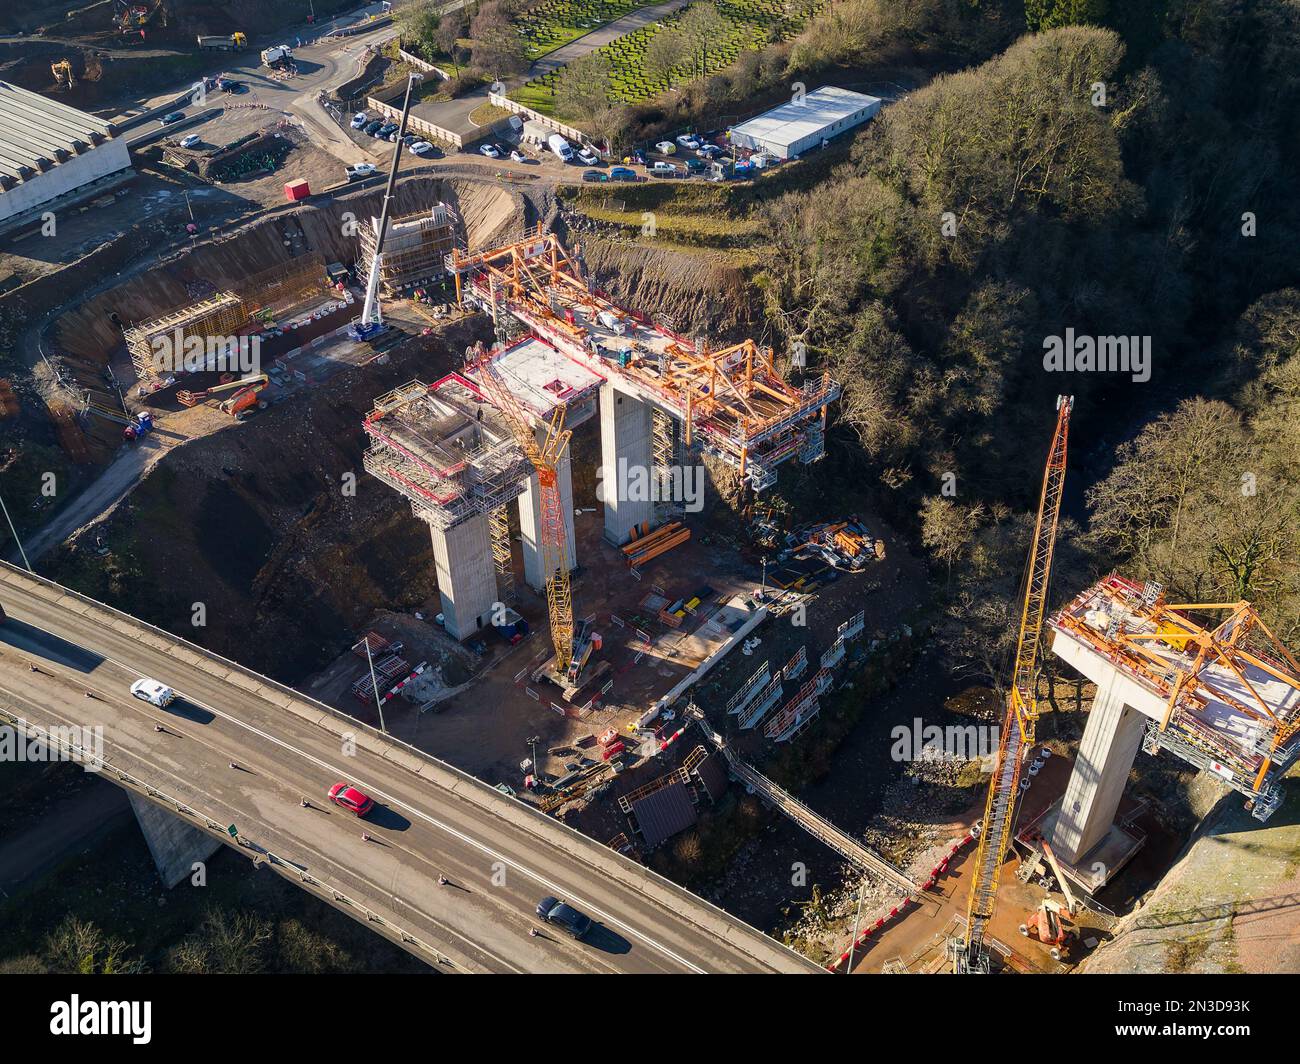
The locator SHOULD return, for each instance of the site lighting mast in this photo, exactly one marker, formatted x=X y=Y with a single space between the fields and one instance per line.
x=371 y=322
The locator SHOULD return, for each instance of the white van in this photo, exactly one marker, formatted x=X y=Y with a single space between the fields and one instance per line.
x=153 y=692
x=561 y=147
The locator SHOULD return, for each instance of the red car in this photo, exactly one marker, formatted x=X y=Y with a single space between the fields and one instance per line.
x=351 y=799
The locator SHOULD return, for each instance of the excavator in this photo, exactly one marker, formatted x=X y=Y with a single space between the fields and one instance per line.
x=246 y=398
x=62 y=71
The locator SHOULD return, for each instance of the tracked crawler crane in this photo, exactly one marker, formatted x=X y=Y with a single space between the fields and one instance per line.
x=545 y=457
x=970 y=954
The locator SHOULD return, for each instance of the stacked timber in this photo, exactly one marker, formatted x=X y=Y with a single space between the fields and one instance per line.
x=652 y=544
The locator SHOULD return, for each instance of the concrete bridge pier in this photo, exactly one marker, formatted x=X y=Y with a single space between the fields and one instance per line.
x=627 y=460
x=1110 y=742
x=174 y=845
x=467 y=580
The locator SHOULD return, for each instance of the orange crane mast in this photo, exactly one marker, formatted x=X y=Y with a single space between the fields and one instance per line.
x=970 y=954
x=545 y=457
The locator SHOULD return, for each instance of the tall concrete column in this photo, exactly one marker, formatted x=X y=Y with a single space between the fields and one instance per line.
x=1110 y=743
x=627 y=458
x=530 y=520
x=174 y=845
x=467 y=580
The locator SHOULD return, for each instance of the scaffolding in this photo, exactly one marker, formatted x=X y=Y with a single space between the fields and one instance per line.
x=219 y=315
x=664 y=447
x=1230 y=692
x=415 y=250
x=502 y=559
x=732 y=402
x=280 y=288
x=443 y=447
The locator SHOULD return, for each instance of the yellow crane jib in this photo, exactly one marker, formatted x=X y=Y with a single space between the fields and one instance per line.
x=1017 y=736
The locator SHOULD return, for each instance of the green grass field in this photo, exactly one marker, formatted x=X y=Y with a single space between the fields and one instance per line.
x=753 y=23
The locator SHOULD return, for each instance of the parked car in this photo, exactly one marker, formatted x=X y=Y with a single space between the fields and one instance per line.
x=192 y=141
x=372 y=127
x=666 y=147
x=231 y=86
x=175 y=116
x=554 y=911
x=695 y=166
x=409 y=139
x=709 y=151
x=588 y=157
x=688 y=140
x=490 y=150
x=518 y=156
x=621 y=173
x=595 y=175
x=422 y=147
x=360 y=119
x=153 y=692
x=662 y=169
x=351 y=799
x=359 y=170
x=384 y=131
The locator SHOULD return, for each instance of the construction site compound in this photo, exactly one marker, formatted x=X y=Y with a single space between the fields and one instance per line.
x=435 y=472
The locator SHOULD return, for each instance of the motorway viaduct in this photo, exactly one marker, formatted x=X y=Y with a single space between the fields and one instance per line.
x=238 y=748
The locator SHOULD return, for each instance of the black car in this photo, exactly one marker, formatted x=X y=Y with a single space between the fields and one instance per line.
x=554 y=911
x=175 y=116
x=372 y=127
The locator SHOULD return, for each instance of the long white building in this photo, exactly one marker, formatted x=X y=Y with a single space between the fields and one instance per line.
x=788 y=131
x=50 y=151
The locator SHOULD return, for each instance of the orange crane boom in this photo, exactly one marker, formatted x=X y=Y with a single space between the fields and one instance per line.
x=1018 y=723
x=545 y=458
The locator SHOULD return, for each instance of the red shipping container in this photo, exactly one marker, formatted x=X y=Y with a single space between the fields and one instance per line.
x=611 y=750
x=296 y=190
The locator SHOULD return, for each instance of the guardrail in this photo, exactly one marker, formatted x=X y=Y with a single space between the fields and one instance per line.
x=630 y=874
x=204 y=822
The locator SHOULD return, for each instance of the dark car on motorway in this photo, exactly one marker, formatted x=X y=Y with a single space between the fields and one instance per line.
x=175 y=116
x=554 y=911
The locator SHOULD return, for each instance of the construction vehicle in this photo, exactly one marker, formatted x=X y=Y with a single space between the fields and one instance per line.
x=235 y=42
x=62 y=71
x=277 y=56
x=371 y=323
x=1051 y=923
x=139 y=427
x=244 y=399
x=1018 y=726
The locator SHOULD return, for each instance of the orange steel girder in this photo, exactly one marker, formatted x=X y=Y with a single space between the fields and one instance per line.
x=708 y=386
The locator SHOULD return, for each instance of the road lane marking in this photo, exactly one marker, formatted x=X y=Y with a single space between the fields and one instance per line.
x=455 y=832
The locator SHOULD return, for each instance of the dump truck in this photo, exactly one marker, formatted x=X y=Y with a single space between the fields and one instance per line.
x=235 y=42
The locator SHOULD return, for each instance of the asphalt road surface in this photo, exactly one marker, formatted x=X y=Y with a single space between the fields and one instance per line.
x=238 y=751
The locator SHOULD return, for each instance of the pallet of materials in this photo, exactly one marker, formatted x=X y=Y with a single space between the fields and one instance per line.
x=652 y=544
